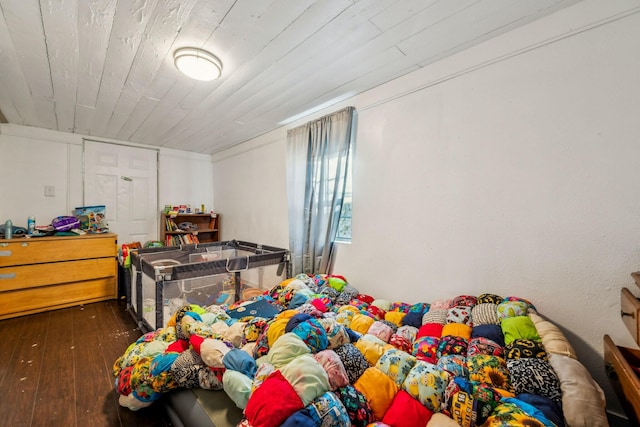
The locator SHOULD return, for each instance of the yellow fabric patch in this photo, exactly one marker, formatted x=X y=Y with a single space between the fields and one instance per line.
x=395 y=317
x=371 y=348
x=285 y=282
x=458 y=330
x=379 y=390
x=276 y=330
x=287 y=314
x=361 y=323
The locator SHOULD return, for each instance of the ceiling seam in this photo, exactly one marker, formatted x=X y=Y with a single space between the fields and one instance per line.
x=46 y=49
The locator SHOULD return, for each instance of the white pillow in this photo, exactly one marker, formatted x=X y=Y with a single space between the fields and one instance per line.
x=583 y=401
x=552 y=337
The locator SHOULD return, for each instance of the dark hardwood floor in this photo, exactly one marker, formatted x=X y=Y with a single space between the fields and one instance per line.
x=56 y=369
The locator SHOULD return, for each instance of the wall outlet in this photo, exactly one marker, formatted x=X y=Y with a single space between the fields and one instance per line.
x=49 y=191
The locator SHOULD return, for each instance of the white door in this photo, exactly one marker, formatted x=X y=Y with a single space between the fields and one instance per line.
x=125 y=180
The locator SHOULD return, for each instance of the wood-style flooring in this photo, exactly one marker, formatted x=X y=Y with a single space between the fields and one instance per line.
x=56 y=369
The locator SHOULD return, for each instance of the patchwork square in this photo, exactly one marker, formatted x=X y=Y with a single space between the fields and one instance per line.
x=535 y=376
x=396 y=364
x=427 y=383
x=460 y=314
x=426 y=348
x=489 y=369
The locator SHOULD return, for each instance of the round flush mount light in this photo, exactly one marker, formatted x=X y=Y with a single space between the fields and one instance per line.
x=197 y=63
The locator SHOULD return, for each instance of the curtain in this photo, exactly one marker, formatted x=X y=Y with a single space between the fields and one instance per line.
x=317 y=159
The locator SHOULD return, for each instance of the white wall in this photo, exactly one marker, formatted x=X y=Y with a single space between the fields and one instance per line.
x=185 y=178
x=510 y=168
x=32 y=158
x=250 y=191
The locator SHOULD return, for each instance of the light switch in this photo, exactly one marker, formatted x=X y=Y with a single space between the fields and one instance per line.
x=49 y=191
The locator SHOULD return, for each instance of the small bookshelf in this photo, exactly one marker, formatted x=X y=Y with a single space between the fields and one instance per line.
x=207 y=228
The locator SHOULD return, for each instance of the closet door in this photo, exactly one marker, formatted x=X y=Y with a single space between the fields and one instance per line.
x=125 y=180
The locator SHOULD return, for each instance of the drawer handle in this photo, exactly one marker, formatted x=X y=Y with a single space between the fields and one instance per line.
x=5 y=253
x=8 y=276
x=624 y=313
x=611 y=372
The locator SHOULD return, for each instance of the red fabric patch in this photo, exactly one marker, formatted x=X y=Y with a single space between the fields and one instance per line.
x=273 y=402
x=177 y=346
x=430 y=330
x=405 y=411
x=377 y=312
x=401 y=343
x=365 y=298
x=196 y=342
x=319 y=305
x=124 y=381
x=218 y=372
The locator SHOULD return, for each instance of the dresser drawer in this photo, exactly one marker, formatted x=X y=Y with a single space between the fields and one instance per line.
x=42 y=249
x=618 y=364
x=630 y=312
x=33 y=300
x=31 y=276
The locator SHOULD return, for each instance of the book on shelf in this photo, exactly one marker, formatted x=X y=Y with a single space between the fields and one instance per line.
x=181 y=239
x=171 y=225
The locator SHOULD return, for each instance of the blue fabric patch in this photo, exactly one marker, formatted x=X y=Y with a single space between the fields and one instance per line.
x=313 y=335
x=328 y=410
x=296 y=320
x=241 y=361
x=162 y=363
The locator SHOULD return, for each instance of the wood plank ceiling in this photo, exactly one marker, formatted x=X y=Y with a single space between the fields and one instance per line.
x=104 y=68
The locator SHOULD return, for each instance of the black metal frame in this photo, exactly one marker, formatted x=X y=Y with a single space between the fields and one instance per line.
x=262 y=255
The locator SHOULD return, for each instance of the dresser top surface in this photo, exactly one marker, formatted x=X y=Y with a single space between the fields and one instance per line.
x=58 y=238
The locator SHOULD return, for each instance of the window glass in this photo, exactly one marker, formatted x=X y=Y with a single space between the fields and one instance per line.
x=344 y=225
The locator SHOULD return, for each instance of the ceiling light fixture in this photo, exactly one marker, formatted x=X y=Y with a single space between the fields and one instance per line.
x=197 y=63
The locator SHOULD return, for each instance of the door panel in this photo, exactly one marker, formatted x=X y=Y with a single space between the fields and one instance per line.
x=125 y=180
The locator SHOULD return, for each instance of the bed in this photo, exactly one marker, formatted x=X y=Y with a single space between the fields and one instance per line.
x=325 y=354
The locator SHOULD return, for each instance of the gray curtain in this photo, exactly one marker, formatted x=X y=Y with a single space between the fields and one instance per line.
x=317 y=159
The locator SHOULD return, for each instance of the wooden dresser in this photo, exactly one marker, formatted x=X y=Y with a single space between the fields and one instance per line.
x=47 y=273
x=622 y=364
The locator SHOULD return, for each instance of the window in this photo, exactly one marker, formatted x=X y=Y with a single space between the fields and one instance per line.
x=344 y=225
x=343 y=233
x=318 y=184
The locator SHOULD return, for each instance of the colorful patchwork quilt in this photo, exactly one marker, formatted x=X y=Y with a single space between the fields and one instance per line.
x=333 y=356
